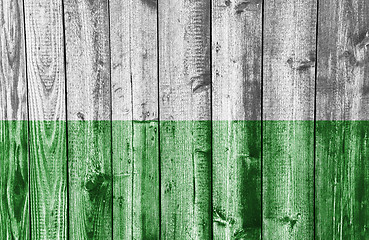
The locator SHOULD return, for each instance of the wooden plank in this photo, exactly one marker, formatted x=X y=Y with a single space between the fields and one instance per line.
x=341 y=178
x=185 y=126
x=146 y=204
x=237 y=179
x=122 y=177
x=134 y=61
x=288 y=111
x=14 y=203
x=47 y=132
x=144 y=72
x=341 y=168
x=288 y=179
x=122 y=119
x=88 y=115
x=236 y=105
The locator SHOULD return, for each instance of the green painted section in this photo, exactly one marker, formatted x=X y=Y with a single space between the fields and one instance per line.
x=193 y=155
x=288 y=179
x=342 y=180
x=48 y=179
x=136 y=180
x=236 y=147
x=90 y=180
x=185 y=159
x=14 y=201
x=122 y=179
x=146 y=185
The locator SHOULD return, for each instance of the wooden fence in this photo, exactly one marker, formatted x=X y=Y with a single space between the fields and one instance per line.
x=184 y=119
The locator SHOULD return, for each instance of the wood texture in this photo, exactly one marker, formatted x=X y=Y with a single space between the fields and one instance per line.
x=146 y=219
x=144 y=72
x=134 y=34
x=122 y=179
x=341 y=180
x=288 y=111
x=236 y=111
x=122 y=119
x=341 y=168
x=89 y=125
x=237 y=179
x=185 y=129
x=146 y=204
x=12 y=56
x=14 y=201
x=173 y=125
x=288 y=179
x=47 y=132
x=87 y=59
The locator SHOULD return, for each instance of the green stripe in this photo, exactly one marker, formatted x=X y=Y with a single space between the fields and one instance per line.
x=186 y=148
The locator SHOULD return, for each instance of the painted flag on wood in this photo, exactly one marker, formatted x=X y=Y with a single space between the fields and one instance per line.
x=185 y=119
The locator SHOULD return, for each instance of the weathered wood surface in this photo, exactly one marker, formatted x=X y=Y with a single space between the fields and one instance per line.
x=144 y=72
x=122 y=126
x=47 y=128
x=185 y=127
x=14 y=200
x=236 y=111
x=341 y=149
x=88 y=115
x=135 y=84
x=288 y=114
x=177 y=126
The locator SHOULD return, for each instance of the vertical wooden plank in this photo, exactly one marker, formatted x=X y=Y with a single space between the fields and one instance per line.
x=288 y=111
x=144 y=72
x=185 y=114
x=89 y=119
x=134 y=61
x=120 y=14
x=14 y=201
x=146 y=219
x=342 y=127
x=47 y=132
x=236 y=46
x=341 y=179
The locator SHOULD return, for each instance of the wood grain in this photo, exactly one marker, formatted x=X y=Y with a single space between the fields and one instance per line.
x=47 y=133
x=174 y=126
x=89 y=125
x=144 y=72
x=341 y=180
x=87 y=59
x=341 y=168
x=122 y=131
x=236 y=106
x=134 y=61
x=146 y=204
x=185 y=129
x=12 y=57
x=288 y=179
x=14 y=184
x=237 y=179
x=288 y=111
